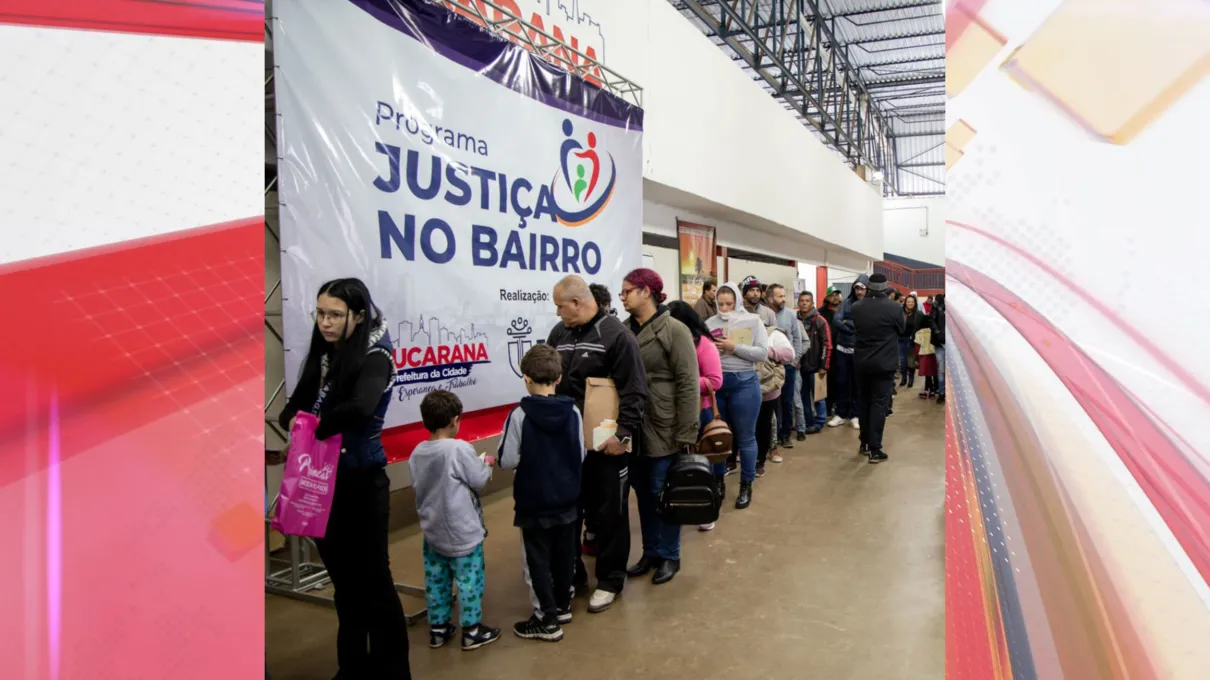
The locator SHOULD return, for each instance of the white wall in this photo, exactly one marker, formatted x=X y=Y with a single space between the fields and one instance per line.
x=713 y=133
x=666 y=263
x=764 y=272
x=915 y=228
x=660 y=218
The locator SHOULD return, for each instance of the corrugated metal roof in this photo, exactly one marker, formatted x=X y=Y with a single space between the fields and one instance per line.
x=897 y=48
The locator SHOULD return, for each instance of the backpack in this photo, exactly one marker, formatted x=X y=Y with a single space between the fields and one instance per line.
x=690 y=495
x=716 y=439
x=772 y=375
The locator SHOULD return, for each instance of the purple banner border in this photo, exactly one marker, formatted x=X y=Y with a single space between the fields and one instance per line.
x=506 y=63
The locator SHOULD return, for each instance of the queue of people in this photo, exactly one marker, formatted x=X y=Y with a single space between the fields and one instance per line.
x=741 y=344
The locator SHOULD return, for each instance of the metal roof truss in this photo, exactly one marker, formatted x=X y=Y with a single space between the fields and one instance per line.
x=792 y=48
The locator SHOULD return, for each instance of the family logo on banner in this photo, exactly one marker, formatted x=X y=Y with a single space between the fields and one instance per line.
x=456 y=174
x=698 y=261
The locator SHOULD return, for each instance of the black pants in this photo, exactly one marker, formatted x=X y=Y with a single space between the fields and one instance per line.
x=605 y=498
x=550 y=555
x=372 y=641
x=764 y=429
x=876 y=389
x=831 y=398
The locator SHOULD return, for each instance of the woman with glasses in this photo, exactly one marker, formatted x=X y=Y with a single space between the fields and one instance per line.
x=670 y=416
x=346 y=382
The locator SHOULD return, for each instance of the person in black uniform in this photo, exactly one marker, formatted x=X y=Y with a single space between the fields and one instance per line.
x=877 y=321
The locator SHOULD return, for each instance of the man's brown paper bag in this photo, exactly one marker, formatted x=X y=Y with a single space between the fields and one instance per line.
x=821 y=387
x=600 y=404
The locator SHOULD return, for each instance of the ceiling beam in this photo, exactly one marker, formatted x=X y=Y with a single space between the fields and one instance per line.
x=682 y=6
x=888 y=38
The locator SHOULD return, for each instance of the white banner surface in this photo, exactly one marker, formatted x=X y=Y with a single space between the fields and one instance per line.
x=456 y=175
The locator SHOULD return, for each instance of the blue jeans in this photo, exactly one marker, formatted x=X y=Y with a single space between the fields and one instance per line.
x=940 y=350
x=785 y=413
x=739 y=404
x=817 y=415
x=905 y=350
x=647 y=476
x=848 y=399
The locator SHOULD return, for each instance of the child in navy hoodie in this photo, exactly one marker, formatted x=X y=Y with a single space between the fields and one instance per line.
x=544 y=440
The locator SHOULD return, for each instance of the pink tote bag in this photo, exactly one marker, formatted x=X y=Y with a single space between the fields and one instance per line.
x=309 y=482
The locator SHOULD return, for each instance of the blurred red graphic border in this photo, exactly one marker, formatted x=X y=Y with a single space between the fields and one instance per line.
x=146 y=317
x=240 y=20
x=142 y=383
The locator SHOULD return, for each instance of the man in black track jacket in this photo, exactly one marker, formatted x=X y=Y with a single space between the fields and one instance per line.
x=594 y=344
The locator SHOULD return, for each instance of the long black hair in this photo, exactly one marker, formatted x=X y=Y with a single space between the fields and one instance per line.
x=681 y=311
x=345 y=358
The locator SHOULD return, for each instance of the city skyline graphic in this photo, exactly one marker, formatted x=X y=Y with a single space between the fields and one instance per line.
x=422 y=332
x=572 y=12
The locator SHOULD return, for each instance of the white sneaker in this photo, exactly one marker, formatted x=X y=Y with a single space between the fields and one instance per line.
x=706 y=527
x=836 y=421
x=600 y=601
x=856 y=424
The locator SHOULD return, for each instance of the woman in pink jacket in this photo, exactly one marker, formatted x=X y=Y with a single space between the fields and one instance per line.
x=709 y=367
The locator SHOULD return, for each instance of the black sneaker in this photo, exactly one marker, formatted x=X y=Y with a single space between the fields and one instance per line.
x=802 y=436
x=760 y=470
x=478 y=636
x=864 y=450
x=877 y=457
x=813 y=430
x=940 y=398
x=439 y=635
x=563 y=616
x=732 y=468
x=786 y=443
x=536 y=629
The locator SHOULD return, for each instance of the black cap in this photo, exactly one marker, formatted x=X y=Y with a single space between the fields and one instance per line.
x=878 y=283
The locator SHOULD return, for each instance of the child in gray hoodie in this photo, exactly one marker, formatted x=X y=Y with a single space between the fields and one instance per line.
x=447 y=477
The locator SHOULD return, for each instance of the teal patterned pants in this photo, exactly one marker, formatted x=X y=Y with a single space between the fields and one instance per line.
x=440 y=574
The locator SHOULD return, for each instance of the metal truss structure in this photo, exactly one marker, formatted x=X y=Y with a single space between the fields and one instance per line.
x=506 y=24
x=867 y=77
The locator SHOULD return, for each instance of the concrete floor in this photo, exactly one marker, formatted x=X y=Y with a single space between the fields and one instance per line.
x=835 y=572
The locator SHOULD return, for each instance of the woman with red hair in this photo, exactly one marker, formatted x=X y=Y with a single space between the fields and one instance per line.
x=671 y=417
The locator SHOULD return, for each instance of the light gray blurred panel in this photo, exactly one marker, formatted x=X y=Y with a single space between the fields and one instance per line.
x=399 y=475
x=401 y=479
x=273 y=475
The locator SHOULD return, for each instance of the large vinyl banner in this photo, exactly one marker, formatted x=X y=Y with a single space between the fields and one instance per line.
x=457 y=175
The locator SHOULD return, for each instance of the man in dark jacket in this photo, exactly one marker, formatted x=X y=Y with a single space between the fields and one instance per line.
x=831 y=302
x=937 y=326
x=815 y=361
x=877 y=322
x=848 y=397
x=594 y=344
x=705 y=306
